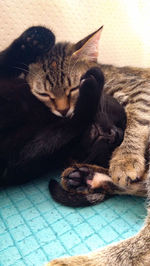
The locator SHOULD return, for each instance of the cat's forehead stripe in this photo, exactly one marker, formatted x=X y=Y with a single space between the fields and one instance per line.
x=56 y=66
x=56 y=63
x=48 y=79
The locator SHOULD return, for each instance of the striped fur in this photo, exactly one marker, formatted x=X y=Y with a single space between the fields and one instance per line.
x=55 y=79
x=128 y=166
x=131 y=87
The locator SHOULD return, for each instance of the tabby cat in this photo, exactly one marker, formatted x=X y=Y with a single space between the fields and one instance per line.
x=128 y=168
x=51 y=109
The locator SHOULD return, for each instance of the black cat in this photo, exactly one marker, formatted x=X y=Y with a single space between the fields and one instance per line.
x=34 y=137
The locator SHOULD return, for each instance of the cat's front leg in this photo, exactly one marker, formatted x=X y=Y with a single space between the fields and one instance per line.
x=127 y=165
x=91 y=87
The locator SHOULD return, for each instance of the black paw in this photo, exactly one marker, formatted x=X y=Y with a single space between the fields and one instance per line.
x=96 y=74
x=89 y=90
x=91 y=85
x=32 y=43
x=77 y=178
x=35 y=41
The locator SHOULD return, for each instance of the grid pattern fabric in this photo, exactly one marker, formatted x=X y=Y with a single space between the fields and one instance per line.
x=34 y=229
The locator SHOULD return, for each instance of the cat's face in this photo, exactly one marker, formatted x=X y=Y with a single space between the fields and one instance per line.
x=55 y=79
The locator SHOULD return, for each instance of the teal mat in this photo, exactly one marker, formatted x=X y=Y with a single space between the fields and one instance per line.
x=34 y=229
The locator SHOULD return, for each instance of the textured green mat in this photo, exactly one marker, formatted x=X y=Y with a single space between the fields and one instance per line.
x=34 y=229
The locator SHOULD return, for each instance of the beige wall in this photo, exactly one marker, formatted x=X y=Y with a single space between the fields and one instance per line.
x=125 y=38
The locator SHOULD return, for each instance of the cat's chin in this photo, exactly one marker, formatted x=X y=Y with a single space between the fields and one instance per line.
x=69 y=114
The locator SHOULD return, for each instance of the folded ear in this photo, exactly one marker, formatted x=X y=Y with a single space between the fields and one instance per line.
x=87 y=49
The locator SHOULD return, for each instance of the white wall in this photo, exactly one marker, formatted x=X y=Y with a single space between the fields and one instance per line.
x=125 y=38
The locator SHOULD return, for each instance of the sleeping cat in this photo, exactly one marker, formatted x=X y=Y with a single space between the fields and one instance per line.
x=51 y=110
x=128 y=169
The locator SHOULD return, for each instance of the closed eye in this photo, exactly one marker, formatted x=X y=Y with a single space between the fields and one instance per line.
x=43 y=94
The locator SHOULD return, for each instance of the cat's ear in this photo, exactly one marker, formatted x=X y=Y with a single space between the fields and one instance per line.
x=87 y=49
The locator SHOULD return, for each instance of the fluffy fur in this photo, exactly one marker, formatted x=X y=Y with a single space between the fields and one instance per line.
x=128 y=168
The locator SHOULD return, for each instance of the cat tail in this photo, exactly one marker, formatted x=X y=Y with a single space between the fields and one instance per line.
x=73 y=199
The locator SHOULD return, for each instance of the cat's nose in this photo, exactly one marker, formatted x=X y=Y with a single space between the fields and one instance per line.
x=64 y=111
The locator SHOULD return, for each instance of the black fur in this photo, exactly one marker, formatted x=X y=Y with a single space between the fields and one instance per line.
x=32 y=43
x=32 y=139
x=74 y=199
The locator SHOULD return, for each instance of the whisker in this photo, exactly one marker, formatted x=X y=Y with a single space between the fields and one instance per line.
x=21 y=69
x=29 y=71
x=25 y=64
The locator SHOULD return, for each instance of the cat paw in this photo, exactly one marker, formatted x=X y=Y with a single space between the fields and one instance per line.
x=77 y=178
x=38 y=38
x=32 y=43
x=85 y=179
x=90 y=88
x=126 y=169
x=92 y=82
x=95 y=74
